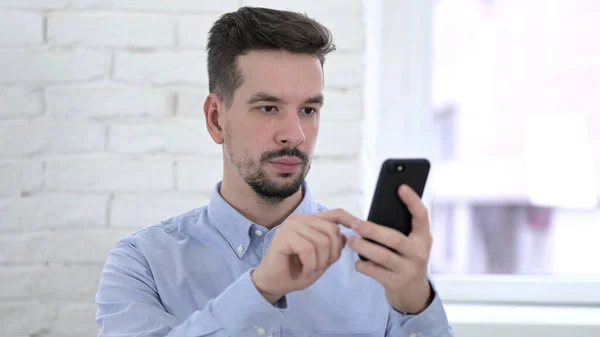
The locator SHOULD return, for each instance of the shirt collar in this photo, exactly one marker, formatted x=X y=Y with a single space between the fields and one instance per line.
x=235 y=227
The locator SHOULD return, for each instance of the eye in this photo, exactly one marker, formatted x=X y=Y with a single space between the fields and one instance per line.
x=268 y=108
x=309 y=111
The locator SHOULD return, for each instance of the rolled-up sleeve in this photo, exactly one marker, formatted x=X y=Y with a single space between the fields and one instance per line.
x=129 y=304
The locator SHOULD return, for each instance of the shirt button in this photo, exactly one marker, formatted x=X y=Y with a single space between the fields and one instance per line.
x=270 y=335
x=258 y=232
x=260 y=331
x=240 y=249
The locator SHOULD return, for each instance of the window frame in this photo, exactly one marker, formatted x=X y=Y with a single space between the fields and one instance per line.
x=402 y=126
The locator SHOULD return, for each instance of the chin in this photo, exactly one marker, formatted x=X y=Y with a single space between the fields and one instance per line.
x=285 y=175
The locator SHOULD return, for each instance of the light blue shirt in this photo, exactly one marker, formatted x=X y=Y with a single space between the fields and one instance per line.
x=189 y=276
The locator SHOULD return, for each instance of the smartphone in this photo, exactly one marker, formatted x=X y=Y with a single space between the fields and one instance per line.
x=387 y=209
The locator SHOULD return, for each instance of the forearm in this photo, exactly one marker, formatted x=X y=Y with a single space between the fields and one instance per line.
x=129 y=305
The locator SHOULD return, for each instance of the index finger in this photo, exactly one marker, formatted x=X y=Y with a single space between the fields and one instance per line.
x=338 y=216
x=416 y=208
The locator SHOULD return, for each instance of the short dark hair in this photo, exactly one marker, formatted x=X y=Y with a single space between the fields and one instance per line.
x=255 y=28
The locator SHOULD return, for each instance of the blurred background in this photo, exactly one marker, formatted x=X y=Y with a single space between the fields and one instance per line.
x=102 y=134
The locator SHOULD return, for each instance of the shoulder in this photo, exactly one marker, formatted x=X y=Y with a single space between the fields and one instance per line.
x=165 y=230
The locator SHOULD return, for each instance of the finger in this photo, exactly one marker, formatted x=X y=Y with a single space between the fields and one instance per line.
x=338 y=216
x=378 y=254
x=332 y=231
x=416 y=208
x=306 y=251
x=387 y=278
x=387 y=236
x=319 y=240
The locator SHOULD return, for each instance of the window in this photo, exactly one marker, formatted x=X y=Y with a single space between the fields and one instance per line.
x=516 y=188
x=515 y=229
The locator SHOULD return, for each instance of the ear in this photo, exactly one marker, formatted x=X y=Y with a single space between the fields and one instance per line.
x=213 y=110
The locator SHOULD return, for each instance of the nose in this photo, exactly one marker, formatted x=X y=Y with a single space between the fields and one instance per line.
x=290 y=133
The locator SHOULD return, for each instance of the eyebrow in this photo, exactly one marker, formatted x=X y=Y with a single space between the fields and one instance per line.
x=264 y=97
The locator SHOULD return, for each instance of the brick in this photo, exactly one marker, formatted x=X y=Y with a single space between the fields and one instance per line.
x=164 y=67
x=72 y=246
x=111 y=30
x=31 y=138
x=190 y=103
x=32 y=175
x=73 y=137
x=30 y=318
x=140 y=211
x=10 y=179
x=34 y=4
x=335 y=176
x=21 y=28
x=45 y=66
x=198 y=174
x=174 y=6
x=106 y=101
x=352 y=203
x=339 y=139
x=75 y=319
x=192 y=31
x=47 y=283
x=344 y=70
x=54 y=211
x=21 y=138
x=107 y=174
x=343 y=105
x=17 y=177
x=186 y=136
x=19 y=102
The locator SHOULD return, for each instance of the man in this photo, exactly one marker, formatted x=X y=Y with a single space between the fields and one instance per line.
x=263 y=258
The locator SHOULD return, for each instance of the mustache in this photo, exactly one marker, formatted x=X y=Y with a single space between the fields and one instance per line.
x=286 y=152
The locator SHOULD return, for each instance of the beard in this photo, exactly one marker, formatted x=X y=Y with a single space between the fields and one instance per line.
x=267 y=188
x=270 y=189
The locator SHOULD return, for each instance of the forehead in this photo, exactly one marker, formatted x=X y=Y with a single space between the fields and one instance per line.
x=289 y=76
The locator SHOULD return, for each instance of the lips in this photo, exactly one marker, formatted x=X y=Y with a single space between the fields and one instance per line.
x=287 y=161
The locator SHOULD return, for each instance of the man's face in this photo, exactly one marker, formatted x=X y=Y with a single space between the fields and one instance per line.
x=271 y=128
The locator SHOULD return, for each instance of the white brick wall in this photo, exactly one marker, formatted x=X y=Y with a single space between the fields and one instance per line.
x=102 y=133
x=161 y=67
x=111 y=30
x=34 y=4
x=37 y=66
x=21 y=28
x=193 y=30
x=105 y=101
x=19 y=102
x=181 y=136
x=171 y=6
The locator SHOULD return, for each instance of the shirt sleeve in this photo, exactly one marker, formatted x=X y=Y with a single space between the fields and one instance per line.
x=129 y=304
x=432 y=322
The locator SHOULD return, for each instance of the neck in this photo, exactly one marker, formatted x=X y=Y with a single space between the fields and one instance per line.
x=258 y=210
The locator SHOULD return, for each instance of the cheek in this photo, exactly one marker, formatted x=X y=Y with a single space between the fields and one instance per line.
x=311 y=131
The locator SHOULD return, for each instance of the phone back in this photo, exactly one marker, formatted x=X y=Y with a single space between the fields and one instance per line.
x=387 y=209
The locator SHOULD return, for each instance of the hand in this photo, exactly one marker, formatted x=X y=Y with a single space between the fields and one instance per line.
x=301 y=250
x=403 y=270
